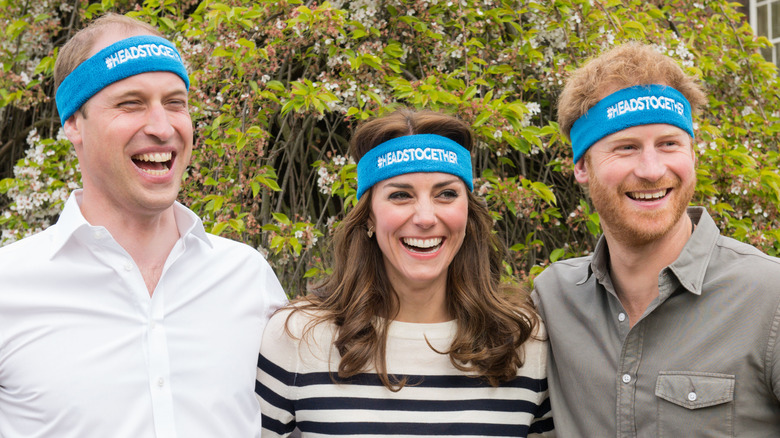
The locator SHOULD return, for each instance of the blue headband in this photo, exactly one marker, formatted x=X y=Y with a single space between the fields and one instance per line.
x=413 y=153
x=633 y=106
x=125 y=58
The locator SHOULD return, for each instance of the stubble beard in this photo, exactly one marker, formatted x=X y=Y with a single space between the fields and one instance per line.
x=637 y=228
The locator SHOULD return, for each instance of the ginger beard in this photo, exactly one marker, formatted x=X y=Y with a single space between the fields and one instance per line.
x=630 y=225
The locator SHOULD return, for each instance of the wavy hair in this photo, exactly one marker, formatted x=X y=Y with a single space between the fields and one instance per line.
x=493 y=319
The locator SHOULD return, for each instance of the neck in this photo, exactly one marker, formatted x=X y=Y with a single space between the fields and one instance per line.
x=634 y=269
x=422 y=305
x=148 y=239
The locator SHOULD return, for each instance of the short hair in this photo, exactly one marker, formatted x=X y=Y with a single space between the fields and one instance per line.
x=621 y=67
x=79 y=47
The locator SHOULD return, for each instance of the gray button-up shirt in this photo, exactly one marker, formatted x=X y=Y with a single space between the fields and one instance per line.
x=704 y=359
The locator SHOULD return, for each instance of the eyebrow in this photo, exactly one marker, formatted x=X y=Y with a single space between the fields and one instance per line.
x=142 y=93
x=409 y=186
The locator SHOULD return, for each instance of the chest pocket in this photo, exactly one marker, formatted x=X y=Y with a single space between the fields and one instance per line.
x=695 y=404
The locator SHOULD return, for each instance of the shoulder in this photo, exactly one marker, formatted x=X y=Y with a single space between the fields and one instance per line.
x=745 y=260
x=235 y=248
x=293 y=324
x=31 y=248
x=535 y=353
x=565 y=272
x=239 y=261
x=564 y=288
x=740 y=249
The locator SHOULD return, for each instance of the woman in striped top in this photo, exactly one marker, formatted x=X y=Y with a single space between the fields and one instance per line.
x=413 y=334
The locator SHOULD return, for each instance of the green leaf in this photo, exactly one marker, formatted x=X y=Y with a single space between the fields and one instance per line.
x=281 y=218
x=544 y=192
x=218 y=228
x=221 y=52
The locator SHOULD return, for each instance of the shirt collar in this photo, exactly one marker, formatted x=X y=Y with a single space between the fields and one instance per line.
x=689 y=267
x=72 y=222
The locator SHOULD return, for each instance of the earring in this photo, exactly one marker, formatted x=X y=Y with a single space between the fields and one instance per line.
x=370 y=231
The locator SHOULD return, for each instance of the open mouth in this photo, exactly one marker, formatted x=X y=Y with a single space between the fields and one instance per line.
x=157 y=163
x=422 y=246
x=648 y=196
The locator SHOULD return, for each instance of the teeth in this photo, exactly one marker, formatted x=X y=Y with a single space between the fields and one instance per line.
x=648 y=196
x=157 y=157
x=156 y=172
x=422 y=243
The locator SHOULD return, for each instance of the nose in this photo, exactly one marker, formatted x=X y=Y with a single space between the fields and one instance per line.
x=157 y=123
x=651 y=166
x=425 y=214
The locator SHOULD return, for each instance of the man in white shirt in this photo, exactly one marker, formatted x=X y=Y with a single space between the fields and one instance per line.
x=126 y=319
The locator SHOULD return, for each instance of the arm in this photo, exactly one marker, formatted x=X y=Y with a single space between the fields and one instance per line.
x=542 y=425
x=773 y=356
x=276 y=373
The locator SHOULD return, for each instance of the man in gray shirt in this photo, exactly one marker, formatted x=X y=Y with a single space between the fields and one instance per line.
x=668 y=328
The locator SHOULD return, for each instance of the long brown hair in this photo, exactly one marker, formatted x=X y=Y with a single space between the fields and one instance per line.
x=490 y=327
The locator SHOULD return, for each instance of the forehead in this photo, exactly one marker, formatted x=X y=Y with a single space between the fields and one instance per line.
x=641 y=132
x=420 y=178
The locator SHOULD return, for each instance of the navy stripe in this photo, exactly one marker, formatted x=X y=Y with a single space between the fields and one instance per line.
x=275 y=371
x=542 y=384
x=275 y=399
x=544 y=408
x=418 y=381
x=384 y=404
x=342 y=428
x=277 y=426
x=542 y=426
x=370 y=379
x=267 y=394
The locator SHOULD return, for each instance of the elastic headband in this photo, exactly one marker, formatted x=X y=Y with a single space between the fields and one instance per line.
x=633 y=106
x=413 y=153
x=125 y=58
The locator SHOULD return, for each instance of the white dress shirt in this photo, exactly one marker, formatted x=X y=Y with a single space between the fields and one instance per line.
x=86 y=352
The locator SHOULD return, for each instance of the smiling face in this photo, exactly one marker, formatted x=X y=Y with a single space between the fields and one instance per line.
x=640 y=180
x=133 y=140
x=420 y=222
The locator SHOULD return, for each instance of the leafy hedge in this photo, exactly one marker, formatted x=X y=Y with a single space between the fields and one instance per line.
x=278 y=85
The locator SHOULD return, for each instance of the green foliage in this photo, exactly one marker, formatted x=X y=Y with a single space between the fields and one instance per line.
x=278 y=85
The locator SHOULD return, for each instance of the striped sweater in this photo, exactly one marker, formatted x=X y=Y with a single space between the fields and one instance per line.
x=298 y=387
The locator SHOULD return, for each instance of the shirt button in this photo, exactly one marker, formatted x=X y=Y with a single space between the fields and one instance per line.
x=152 y=325
x=128 y=266
x=621 y=316
x=160 y=382
x=626 y=378
x=692 y=396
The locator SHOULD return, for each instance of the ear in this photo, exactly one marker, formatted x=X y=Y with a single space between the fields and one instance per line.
x=581 y=171
x=72 y=128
